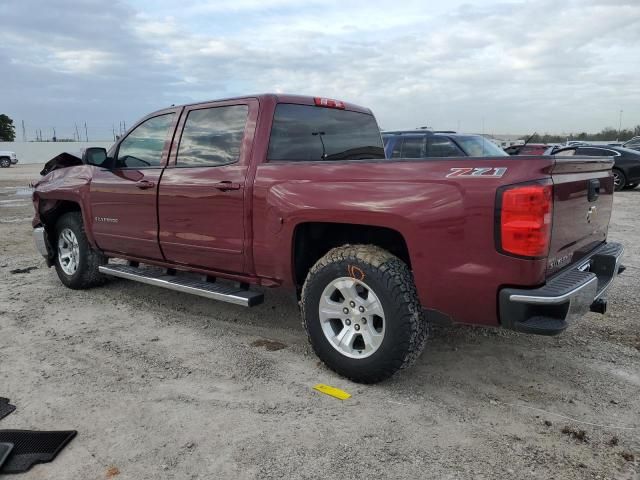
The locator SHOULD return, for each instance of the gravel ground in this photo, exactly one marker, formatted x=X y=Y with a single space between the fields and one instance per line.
x=165 y=385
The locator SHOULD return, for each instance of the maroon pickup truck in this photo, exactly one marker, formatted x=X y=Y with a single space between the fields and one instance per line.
x=277 y=190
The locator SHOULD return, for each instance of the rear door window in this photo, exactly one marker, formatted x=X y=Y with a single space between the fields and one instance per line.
x=593 y=152
x=443 y=147
x=413 y=147
x=566 y=153
x=309 y=133
x=478 y=146
x=212 y=136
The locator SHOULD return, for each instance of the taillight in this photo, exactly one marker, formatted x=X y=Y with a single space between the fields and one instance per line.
x=525 y=213
x=328 y=103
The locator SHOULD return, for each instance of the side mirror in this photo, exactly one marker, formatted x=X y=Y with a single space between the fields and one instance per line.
x=96 y=156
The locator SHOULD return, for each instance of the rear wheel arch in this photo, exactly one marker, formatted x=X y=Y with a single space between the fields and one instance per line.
x=312 y=240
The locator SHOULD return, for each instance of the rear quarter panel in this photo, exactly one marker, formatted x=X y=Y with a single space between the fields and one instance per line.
x=447 y=223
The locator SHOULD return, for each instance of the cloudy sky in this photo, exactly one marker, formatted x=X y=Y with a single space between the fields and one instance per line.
x=512 y=66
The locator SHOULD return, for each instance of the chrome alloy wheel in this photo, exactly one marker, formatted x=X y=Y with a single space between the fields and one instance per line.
x=617 y=180
x=352 y=317
x=68 y=251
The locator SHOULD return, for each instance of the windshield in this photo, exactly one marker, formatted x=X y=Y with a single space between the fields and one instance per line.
x=478 y=146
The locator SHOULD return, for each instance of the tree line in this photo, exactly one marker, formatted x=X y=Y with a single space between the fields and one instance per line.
x=605 y=135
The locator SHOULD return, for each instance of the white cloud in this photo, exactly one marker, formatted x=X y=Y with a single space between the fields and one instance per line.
x=510 y=66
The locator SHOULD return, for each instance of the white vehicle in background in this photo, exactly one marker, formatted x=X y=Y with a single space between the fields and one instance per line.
x=7 y=158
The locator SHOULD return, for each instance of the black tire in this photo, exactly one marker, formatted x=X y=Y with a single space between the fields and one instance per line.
x=406 y=328
x=630 y=186
x=5 y=162
x=620 y=180
x=86 y=275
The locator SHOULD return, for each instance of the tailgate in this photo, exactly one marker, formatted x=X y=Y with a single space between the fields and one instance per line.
x=583 y=197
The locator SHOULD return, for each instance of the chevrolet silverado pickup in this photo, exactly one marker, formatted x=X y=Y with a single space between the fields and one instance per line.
x=7 y=158
x=217 y=199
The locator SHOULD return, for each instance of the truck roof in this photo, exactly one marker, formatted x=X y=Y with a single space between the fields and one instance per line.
x=278 y=97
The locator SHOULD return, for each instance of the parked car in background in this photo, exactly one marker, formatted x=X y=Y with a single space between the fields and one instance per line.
x=626 y=169
x=528 y=149
x=427 y=144
x=633 y=144
x=7 y=158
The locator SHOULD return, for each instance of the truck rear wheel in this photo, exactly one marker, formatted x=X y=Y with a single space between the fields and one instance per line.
x=362 y=314
x=76 y=262
x=5 y=162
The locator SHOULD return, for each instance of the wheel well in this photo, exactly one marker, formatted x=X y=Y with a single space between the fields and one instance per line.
x=312 y=240
x=51 y=211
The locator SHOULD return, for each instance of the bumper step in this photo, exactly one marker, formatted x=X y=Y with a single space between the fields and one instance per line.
x=541 y=326
x=215 y=291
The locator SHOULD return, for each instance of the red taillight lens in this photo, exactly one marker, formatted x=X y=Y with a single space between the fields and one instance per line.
x=328 y=103
x=525 y=220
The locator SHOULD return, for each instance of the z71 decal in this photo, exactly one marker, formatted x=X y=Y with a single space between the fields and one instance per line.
x=482 y=172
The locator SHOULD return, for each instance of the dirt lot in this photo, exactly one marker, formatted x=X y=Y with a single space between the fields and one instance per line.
x=165 y=385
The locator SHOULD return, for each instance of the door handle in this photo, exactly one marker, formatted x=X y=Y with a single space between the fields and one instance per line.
x=226 y=185
x=145 y=184
x=594 y=190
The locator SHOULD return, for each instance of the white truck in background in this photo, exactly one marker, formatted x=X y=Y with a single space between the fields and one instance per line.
x=7 y=158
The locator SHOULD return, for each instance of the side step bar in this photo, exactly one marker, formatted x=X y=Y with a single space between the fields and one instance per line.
x=215 y=291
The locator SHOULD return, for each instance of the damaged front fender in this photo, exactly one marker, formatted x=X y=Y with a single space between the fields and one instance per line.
x=62 y=190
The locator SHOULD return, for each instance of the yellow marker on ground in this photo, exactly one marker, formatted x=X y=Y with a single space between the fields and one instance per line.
x=332 y=391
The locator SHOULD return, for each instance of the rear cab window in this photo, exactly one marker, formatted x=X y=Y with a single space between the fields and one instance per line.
x=312 y=133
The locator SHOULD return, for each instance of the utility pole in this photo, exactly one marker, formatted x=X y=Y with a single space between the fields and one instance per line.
x=619 y=126
x=55 y=137
x=113 y=129
x=86 y=132
x=77 y=133
x=24 y=133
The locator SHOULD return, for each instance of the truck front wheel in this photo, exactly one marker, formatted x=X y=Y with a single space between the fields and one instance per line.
x=76 y=262
x=362 y=314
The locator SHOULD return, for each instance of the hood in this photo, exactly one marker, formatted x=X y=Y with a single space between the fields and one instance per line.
x=63 y=160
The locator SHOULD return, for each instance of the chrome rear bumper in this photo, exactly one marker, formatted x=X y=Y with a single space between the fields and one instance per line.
x=565 y=297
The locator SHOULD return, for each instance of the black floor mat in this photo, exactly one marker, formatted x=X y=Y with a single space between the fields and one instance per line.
x=5 y=450
x=5 y=407
x=30 y=447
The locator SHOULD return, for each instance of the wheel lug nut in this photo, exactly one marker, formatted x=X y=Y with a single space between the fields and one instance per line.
x=357 y=327
x=345 y=310
x=364 y=321
x=361 y=309
x=352 y=303
x=348 y=322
